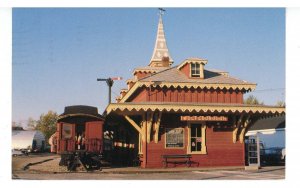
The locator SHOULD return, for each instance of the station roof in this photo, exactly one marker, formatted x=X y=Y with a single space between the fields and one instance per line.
x=174 y=75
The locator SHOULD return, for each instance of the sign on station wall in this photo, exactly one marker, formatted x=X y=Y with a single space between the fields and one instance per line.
x=203 y=118
x=174 y=137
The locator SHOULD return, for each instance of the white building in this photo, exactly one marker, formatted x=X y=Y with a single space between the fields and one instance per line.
x=28 y=141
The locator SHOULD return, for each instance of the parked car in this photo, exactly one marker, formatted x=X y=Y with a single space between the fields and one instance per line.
x=273 y=156
x=18 y=153
x=283 y=154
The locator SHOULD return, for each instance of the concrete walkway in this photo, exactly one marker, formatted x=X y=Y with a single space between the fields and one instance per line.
x=46 y=167
x=49 y=164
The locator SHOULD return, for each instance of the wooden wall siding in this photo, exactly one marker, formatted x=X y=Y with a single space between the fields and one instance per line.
x=221 y=151
x=142 y=95
x=58 y=131
x=180 y=95
x=233 y=97
x=227 y=97
x=221 y=97
x=155 y=150
x=200 y=97
x=207 y=96
x=239 y=98
x=167 y=95
x=186 y=95
x=186 y=69
x=194 y=96
x=214 y=97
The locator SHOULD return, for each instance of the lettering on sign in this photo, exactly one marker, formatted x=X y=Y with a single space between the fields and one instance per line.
x=203 y=118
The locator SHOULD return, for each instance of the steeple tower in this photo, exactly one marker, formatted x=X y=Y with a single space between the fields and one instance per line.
x=161 y=56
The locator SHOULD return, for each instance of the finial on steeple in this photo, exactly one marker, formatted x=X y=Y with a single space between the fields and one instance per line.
x=161 y=56
x=161 y=11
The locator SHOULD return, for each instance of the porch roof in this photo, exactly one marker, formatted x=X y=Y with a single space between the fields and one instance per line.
x=269 y=123
x=194 y=107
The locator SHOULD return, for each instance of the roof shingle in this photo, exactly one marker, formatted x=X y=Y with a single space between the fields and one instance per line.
x=210 y=77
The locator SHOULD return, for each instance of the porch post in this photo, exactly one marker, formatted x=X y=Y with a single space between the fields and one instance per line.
x=156 y=126
x=144 y=138
x=133 y=124
x=243 y=131
x=235 y=131
x=149 y=125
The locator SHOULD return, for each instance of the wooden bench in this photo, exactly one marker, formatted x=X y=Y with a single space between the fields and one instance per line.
x=177 y=159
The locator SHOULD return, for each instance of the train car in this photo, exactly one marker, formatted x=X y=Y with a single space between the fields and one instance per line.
x=80 y=137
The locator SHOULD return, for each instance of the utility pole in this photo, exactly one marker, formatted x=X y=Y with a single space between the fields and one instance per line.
x=109 y=82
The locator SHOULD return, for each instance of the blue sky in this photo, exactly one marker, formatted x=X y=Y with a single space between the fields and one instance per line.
x=59 y=53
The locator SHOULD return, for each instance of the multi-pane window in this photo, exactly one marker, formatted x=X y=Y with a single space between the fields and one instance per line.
x=196 y=137
x=195 y=69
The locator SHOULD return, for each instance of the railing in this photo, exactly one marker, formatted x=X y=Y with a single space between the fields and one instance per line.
x=66 y=145
x=91 y=145
x=70 y=144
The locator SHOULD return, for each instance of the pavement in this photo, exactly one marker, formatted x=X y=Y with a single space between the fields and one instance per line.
x=46 y=167
x=49 y=164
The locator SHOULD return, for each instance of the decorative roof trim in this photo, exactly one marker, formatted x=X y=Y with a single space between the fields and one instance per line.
x=144 y=71
x=124 y=90
x=185 y=107
x=130 y=92
x=202 y=85
x=247 y=87
x=130 y=80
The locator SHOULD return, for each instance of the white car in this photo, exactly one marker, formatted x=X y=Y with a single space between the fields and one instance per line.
x=16 y=152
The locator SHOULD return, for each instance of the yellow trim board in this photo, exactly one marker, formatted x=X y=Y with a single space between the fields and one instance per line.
x=192 y=107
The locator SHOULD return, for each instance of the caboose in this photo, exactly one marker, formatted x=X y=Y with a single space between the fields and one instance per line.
x=80 y=137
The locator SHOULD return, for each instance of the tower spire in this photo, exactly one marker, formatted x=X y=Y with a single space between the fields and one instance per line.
x=161 y=56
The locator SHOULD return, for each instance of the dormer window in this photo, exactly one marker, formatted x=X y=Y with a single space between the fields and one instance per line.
x=195 y=70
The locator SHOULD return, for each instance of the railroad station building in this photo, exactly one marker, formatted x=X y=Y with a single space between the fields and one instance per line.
x=183 y=109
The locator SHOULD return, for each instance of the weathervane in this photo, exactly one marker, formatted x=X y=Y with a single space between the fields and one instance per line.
x=161 y=11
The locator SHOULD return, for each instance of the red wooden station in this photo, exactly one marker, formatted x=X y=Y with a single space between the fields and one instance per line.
x=183 y=114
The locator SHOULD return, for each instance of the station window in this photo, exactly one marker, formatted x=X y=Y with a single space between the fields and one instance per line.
x=197 y=140
x=195 y=70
